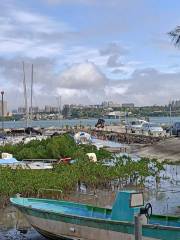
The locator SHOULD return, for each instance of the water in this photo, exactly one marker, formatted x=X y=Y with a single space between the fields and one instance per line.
x=166 y=200
x=11 y=224
x=84 y=122
x=57 y=123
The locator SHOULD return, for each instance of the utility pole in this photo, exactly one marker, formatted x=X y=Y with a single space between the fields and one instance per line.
x=2 y=109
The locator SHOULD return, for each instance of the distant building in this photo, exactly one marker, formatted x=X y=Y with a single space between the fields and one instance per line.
x=54 y=109
x=128 y=105
x=175 y=104
x=4 y=108
x=105 y=104
x=66 y=111
x=14 y=111
x=34 y=109
x=75 y=106
x=114 y=115
x=51 y=109
x=21 y=110
x=110 y=104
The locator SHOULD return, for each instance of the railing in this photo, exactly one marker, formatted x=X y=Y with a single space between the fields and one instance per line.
x=87 y=196
x=49 y=189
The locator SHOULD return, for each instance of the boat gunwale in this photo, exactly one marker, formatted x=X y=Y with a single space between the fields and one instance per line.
x=62 y=201
x=149 y=226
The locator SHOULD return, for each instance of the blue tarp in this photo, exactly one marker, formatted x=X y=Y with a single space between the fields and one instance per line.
x=8 y=161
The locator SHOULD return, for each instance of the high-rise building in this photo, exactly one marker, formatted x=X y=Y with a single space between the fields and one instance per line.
x=51 y=109
x=21 y=110
x=66 y=111
x=128 y=105
x=47 y=109
x=175 y=104
x=34 y=109
x=4 y=108
x=110 y=104
x=54 y=109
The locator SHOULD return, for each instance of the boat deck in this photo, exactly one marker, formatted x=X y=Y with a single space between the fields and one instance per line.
x=63 y=207
x=163 y=220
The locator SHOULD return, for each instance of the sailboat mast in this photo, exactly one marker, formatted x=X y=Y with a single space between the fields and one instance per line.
x=59 y=108
x=32 y=81
x=25 y=95
x=170 y=116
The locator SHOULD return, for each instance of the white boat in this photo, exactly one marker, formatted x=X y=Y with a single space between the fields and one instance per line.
x=8 y=160
x=39 y=165
x=82 y=138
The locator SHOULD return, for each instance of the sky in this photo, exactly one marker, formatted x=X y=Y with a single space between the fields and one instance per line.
x=89 y=51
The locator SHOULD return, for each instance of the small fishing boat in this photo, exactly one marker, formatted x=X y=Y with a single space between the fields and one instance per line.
x=69 y=220
x=82 y=138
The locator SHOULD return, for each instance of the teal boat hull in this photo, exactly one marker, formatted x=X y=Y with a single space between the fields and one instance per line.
x=93 y=223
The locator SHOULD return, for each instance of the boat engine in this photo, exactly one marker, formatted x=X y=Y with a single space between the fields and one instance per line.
x=100 y=123
x=145 y=213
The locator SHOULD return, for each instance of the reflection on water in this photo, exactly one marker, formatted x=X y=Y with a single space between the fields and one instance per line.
x=13 y=226
x=13 y=234
x=165 y=200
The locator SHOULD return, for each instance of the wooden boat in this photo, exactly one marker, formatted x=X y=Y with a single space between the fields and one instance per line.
x=69 y=220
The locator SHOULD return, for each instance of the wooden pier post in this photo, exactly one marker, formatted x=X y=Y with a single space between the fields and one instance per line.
x=137 y=227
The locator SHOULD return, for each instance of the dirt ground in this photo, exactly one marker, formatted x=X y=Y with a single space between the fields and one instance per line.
x=168 y=149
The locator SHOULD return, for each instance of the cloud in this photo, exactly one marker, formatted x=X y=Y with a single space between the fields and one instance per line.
x=118 y=71
x=113 y=48
x=27 y=33
x=82 y=76
x=113 y=61
x=70 y=1
x=150 y=86
x=113 y=51
x=85 y=83
x=91 y=2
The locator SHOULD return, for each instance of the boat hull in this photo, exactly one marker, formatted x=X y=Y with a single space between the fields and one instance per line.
x=56 y=225
x=60 y=230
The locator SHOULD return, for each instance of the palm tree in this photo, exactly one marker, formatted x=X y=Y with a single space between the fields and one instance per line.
x=175 y=35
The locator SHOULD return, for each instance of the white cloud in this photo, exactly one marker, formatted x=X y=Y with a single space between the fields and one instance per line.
x=39 y=23
x=114 y=48
x=31 y=34
x=82 y=76
x=117 y=89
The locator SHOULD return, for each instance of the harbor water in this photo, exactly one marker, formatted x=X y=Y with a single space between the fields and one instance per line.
x=82 y=122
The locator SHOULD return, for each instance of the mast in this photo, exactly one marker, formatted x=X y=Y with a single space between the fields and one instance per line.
x=32 y=81
x=59 y=108
x=25 y=95
x=170 y=116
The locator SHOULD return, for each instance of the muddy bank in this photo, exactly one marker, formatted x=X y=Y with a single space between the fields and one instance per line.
x=168 y=149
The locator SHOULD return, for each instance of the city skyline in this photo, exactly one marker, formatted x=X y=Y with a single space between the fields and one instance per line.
x=89 y=52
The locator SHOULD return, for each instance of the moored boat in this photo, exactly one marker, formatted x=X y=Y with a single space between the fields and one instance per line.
x=82 y=138
x=69 y=220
